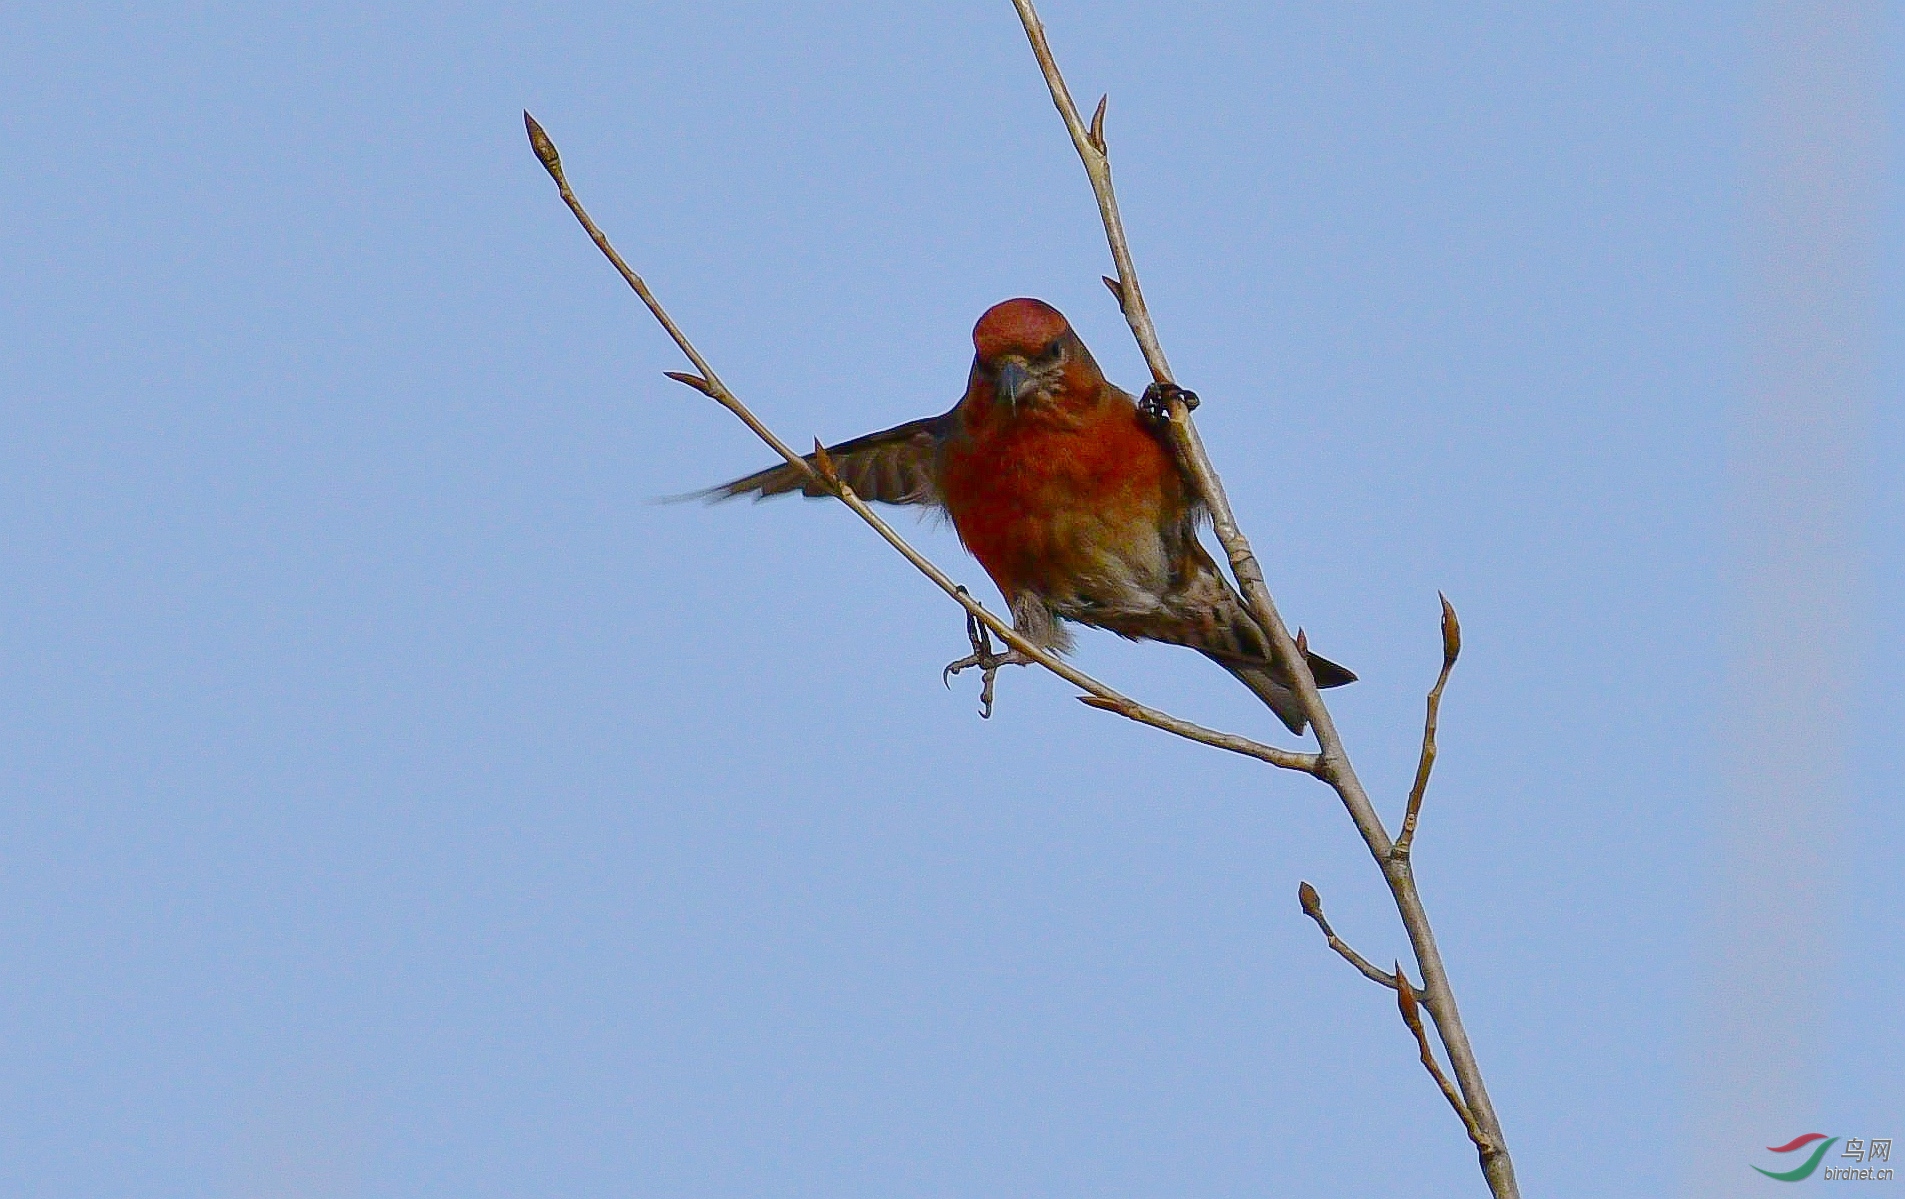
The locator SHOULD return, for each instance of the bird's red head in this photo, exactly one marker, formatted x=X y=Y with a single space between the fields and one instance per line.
x=1023 y=327
x=1029 y=360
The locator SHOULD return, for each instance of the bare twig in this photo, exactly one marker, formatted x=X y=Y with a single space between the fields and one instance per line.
x=1312 y=905
x=1334 y=765
x=705 y=381
x=1090 y=141
x=1406 y=1004
x=1451 y=649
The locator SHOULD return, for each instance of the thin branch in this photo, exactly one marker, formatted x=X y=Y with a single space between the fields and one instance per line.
x=707 y=382
x=1451 y=650
x=1334 y=765
x=1406 y=1004
x=1090 y=141
x=1098 y=695
x=1312 y=905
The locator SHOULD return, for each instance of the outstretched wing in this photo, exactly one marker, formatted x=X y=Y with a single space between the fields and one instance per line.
x=894 y=466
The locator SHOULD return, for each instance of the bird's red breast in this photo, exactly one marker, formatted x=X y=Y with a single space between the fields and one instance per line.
x=1037 y=506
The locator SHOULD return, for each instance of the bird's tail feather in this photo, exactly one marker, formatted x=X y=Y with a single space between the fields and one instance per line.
x=1271 y=687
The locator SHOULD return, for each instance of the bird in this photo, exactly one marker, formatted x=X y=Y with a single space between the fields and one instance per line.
x=1069 y=493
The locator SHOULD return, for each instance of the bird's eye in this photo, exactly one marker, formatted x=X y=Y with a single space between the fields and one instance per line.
x=1054 y=352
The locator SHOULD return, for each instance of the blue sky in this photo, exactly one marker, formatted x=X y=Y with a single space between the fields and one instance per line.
x=398 y=802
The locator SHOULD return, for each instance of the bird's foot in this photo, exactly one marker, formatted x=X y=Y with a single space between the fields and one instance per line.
x=986 y=658
x=1155 y=403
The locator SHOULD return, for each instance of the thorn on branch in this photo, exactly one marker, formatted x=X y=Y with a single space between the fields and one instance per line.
x=695 y=381
x=544 y=148
x=1098 y=124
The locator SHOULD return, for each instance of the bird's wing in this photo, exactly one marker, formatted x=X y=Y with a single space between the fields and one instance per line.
x=894 y=466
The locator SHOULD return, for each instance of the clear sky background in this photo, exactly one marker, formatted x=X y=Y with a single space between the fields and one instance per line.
x=397 y=802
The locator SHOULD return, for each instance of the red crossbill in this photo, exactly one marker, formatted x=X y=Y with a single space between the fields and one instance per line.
x=1069 y=494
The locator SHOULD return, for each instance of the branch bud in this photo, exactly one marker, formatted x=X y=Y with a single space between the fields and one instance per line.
x=1117 y=289
x=1312 y=902
x=1098 y=123
x=544 y=148
x=1406 y=1001
x=695 y=381
x=1101 y=703
x=823 y=462
x=1451 y=631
